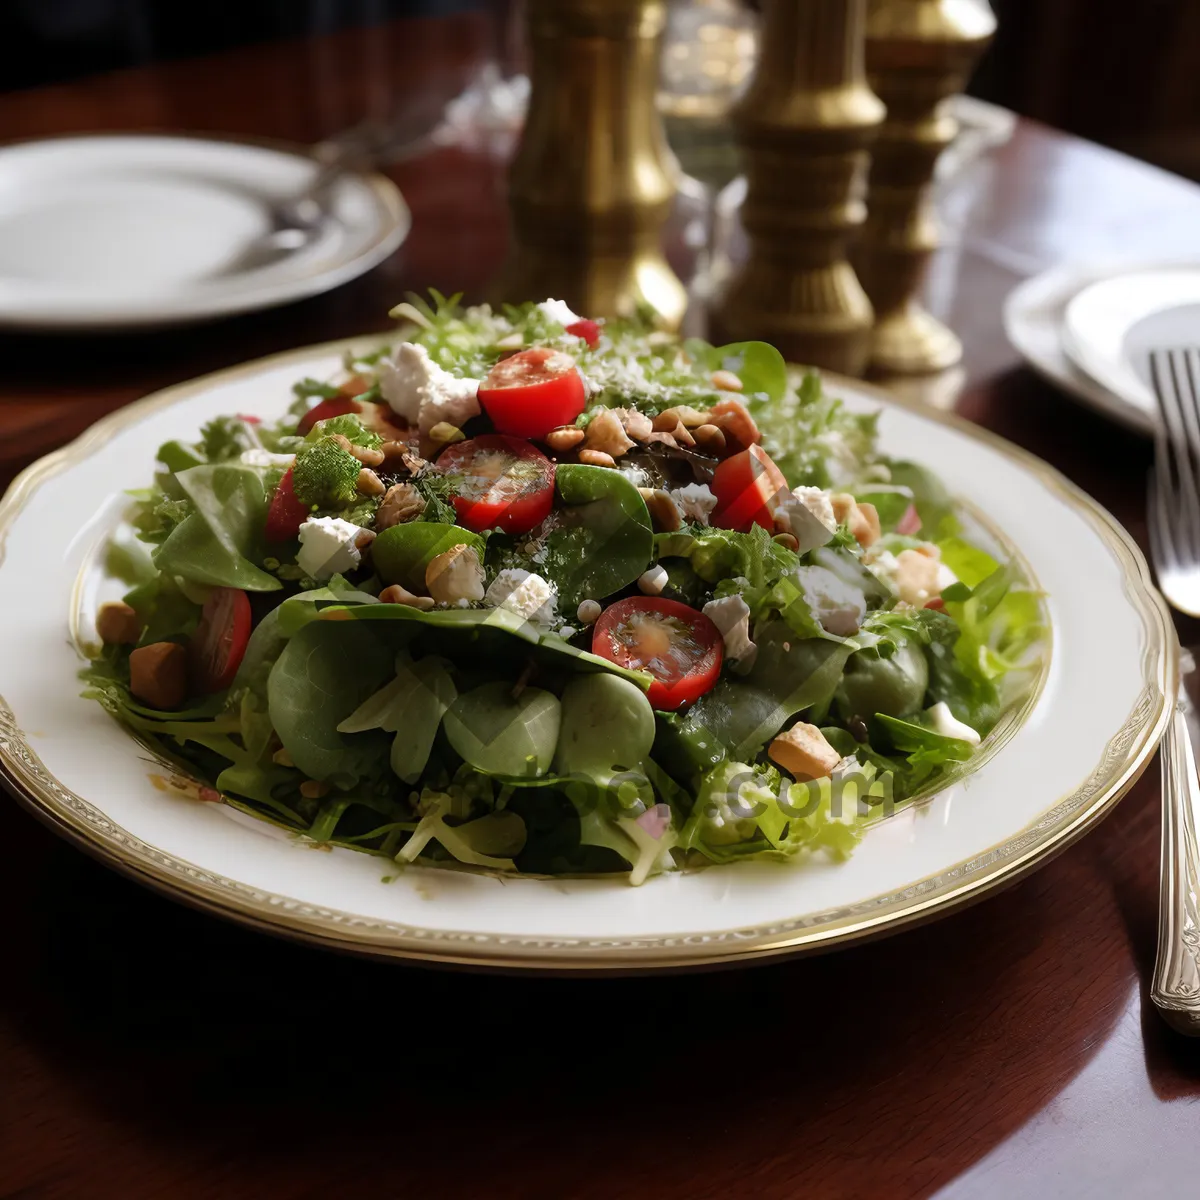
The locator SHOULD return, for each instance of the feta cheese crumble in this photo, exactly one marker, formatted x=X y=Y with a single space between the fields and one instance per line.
x=330 y=546
x=557 y=310
x=424 y=394
x=695 y=502
x=258 y=457
x=839 y=606
x=948 y=725
x=731 y=615
x=807 y=514
x=525 y=593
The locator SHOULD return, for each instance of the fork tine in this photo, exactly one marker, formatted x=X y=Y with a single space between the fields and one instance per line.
x=1162 y=548
x=1174 y=457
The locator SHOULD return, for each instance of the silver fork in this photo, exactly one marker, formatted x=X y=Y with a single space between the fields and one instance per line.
x=1174 y=522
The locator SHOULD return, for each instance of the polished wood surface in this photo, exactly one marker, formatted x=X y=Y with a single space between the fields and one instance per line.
x=148 y=1050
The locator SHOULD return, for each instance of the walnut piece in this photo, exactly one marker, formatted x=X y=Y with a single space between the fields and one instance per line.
x=606 y=434
x=455 y=575
x=401 y=503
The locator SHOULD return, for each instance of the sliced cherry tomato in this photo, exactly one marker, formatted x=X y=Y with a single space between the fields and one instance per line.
x=219 y=643
x=679 y=646
x=499 y=483
x=530 y=393
x=335 y=406
x=589 y=331
x=287 y=513
x=747 y=486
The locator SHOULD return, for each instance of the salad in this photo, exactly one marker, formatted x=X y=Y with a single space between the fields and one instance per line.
x=533 y=593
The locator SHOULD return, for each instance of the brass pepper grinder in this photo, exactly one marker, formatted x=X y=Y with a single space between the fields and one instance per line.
x=593 y=179
x=803 y=127
x=919 y=54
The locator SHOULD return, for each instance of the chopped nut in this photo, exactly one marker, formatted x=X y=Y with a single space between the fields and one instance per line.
x=314 y=789
x=709 y=438
x=158 y=674
x=565 y=437
x=282 y=758
x=735 y=421
x=787 y=540
x=682 y=414
x=445 y=434
x=663 y=439
x=457 y=574
x=726 y=381
x=343 y=442
x=664 y=513
x=606 y=434
x=369 y=484
x=862 y=519
x=398 y=595
x=118 y=624
x=367 y=456
x=401 y=503
x=678 y=432
x=636 y=424
x=916 y=576
x=364 y=539
x=588 y=612
x=803 y=752
x=597 y=458
x=355 y=386
x=399 y=456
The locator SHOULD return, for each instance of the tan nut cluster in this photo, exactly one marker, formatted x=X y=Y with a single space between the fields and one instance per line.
x=564 y=438
x=398 y=595
x=664 y=512
x=401 y=503
x=606 y=434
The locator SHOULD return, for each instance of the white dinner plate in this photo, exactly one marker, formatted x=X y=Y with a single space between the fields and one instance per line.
x=1086 y=734
x=109 y=232
x=1109 y=327
x=1033 y=320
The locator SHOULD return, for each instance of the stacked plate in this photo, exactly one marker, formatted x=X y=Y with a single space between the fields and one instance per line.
x=1088 y=330
x=119 y=232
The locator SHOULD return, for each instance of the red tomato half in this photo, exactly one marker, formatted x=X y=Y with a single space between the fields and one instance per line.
x=219 y=643
x=530 y=393
x=499 y=483
x=589 y=331
x=679 y=646
x=747 y=486
x=287 y=513
x=335 y=406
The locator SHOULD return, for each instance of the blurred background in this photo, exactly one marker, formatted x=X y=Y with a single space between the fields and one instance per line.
x=1120 y=74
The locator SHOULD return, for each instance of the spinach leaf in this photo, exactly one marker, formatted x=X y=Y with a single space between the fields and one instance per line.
x=216 y=544
x=604 y=540
x=402 y=553
x=324 y=673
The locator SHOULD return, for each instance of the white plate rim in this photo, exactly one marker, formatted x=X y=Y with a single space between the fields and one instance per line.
x=393 y=231
x=1126 y=755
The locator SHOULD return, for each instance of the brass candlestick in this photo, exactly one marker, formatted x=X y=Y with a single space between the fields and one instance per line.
x=593 y=179
x=919 y=53
x=803 y=127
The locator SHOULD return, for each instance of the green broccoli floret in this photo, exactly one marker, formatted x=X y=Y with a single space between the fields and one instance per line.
x=325 y=475
x=350 y=427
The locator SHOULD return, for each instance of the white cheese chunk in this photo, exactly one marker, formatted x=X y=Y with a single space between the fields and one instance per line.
x=330 y=546
x=424 y=394
x=525 y=593
x=695 y=502
x=557 y=310
x=731 y=615
x=839 y=606
x=948 y=725
x=258 y=457
x=819 y=503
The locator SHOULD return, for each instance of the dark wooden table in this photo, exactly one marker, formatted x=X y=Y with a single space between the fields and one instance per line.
x=146 y=1050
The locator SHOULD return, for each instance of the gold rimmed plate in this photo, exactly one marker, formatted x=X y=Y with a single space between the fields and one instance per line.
x=1044 y=779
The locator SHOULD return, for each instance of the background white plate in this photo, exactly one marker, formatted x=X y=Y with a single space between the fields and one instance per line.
x=1111 y=325
x=125 y=231
x=1078 y=751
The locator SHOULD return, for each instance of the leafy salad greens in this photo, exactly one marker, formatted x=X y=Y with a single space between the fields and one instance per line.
x=532 y=593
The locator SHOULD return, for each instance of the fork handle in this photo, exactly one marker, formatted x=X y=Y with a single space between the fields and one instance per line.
x=1175 y=987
